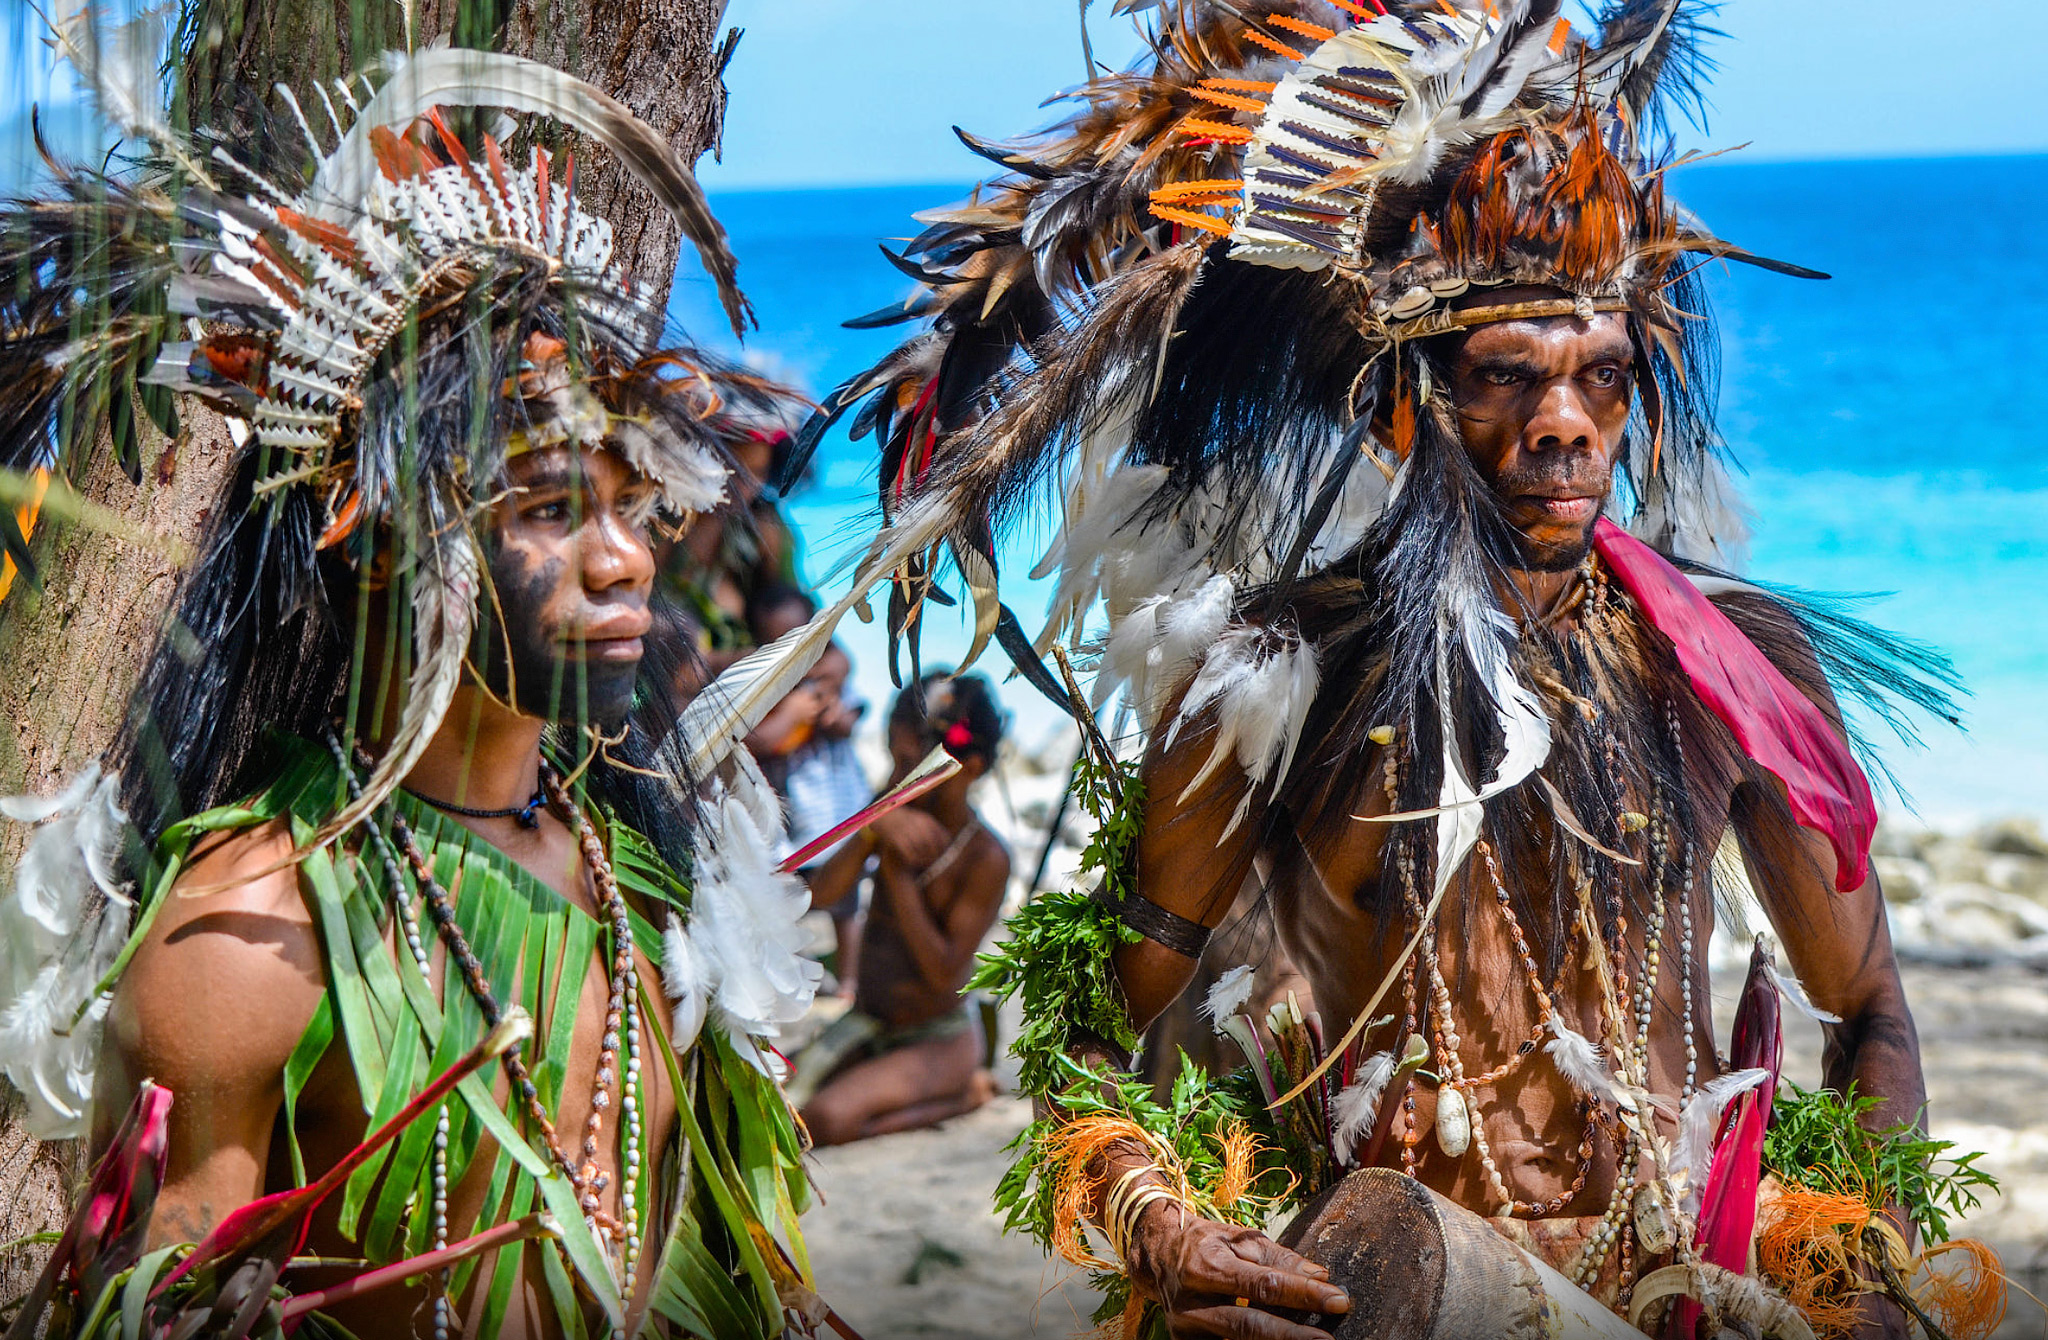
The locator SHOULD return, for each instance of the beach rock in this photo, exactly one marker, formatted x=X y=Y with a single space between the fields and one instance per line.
x=1980 y=914
x=1905 y=879
x=1955 y=861
x=2013 y=837
x=1901 y=838
x=2026 y=876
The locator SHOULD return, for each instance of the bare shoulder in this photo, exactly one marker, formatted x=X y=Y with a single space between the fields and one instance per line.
x=989 y=857
x=230 y=971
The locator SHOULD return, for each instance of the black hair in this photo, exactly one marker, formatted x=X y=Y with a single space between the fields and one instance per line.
x=958 y=711
x=772 y=596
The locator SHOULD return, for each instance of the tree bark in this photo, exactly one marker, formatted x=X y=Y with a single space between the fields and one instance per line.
x=75 y=648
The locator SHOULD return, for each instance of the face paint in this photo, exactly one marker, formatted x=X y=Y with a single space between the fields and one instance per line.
x=571 y=571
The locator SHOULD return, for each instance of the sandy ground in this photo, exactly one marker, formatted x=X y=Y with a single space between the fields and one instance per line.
x=907 y=1244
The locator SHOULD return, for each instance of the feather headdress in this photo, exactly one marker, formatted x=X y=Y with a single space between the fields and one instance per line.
x=384 y=326
x=1200 y=313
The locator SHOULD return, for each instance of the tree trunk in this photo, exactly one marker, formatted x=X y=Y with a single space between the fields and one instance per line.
x=73 y=650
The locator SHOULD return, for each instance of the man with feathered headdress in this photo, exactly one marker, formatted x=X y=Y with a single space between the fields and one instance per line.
x=402 y=794
x=1371 y=358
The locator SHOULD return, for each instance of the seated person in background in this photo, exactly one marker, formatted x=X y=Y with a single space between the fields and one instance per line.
x=823 y=785
x=909 y=1053
x=776 y=610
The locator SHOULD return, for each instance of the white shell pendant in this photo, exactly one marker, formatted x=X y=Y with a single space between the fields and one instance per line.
x=1653 y=1220
x=1453 y=1122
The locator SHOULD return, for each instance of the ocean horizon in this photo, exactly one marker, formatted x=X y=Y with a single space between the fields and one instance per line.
x=1889 y=426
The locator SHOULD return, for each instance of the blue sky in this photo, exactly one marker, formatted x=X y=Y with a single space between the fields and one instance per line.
x=862 y=92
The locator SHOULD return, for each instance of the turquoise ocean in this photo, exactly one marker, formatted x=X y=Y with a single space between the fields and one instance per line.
x=1890 y=424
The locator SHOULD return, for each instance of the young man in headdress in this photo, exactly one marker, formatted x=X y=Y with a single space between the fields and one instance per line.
x=403 y=775
x=1360 y=331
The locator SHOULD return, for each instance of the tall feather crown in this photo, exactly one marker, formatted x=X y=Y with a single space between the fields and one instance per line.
x=383 y=322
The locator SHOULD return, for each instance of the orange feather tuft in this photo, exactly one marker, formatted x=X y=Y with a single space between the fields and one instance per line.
x=1220 y=131
x=1273 y=44
x=1315 y=31
x=1208 y=223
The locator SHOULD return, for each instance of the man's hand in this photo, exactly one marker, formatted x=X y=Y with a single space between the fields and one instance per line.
x=911 y=836
x=1198 y=1270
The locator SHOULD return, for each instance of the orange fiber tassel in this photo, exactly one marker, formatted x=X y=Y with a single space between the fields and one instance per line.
x=1968 y=1300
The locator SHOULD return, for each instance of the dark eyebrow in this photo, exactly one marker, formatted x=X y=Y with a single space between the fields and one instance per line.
x=543 y=470
x=1520 y=367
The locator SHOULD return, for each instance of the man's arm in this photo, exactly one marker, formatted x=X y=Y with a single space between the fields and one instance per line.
x=1840 y=946
x=211 y=1007
x=1188 y=866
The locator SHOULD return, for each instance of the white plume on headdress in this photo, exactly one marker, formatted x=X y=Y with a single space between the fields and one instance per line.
x=120 y=62
x=1358 y=1104
x=57 y=941
x=741 y=956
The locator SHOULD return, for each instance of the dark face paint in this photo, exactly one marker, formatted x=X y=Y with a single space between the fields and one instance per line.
x=571 y=570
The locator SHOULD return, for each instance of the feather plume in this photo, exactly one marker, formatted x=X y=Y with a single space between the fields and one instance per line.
x=1579 y=1062
x=1694 y=1151
x=745 y=938
x=444 y=603
x=59 y=935
x=120 y=63
x=683 y=978
x=1228 y=995
x=461 y=77
x=1357 y=1106
x=734 y=703
x=1794 y=991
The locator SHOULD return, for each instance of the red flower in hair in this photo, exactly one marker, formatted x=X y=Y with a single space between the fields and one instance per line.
x=959 y=736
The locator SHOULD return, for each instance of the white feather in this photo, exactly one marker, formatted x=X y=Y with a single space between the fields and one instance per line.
x=57 y=942
x=1579 y=1061
x=1358 y=1104
x=1694 y=1150
x=682 y=977
x=1228 y=995
x=120 y=63
x=1793 y=990
x=745 y=938
x=1524 y=725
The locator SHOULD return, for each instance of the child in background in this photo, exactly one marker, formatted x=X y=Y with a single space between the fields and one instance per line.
x=909 y=1053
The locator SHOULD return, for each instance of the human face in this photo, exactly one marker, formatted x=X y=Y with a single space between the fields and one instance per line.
x=1542 y=405
x=572 y=569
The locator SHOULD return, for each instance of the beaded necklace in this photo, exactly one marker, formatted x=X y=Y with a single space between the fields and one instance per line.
x=1628 y=1000
x=622 y=1022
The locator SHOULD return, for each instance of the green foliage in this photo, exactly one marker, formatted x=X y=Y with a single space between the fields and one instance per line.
x=1056 y=956
x=1818 y=1139
x=1192 y=1124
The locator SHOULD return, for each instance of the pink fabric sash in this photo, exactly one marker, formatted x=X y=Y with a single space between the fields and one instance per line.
x=1776 y=725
